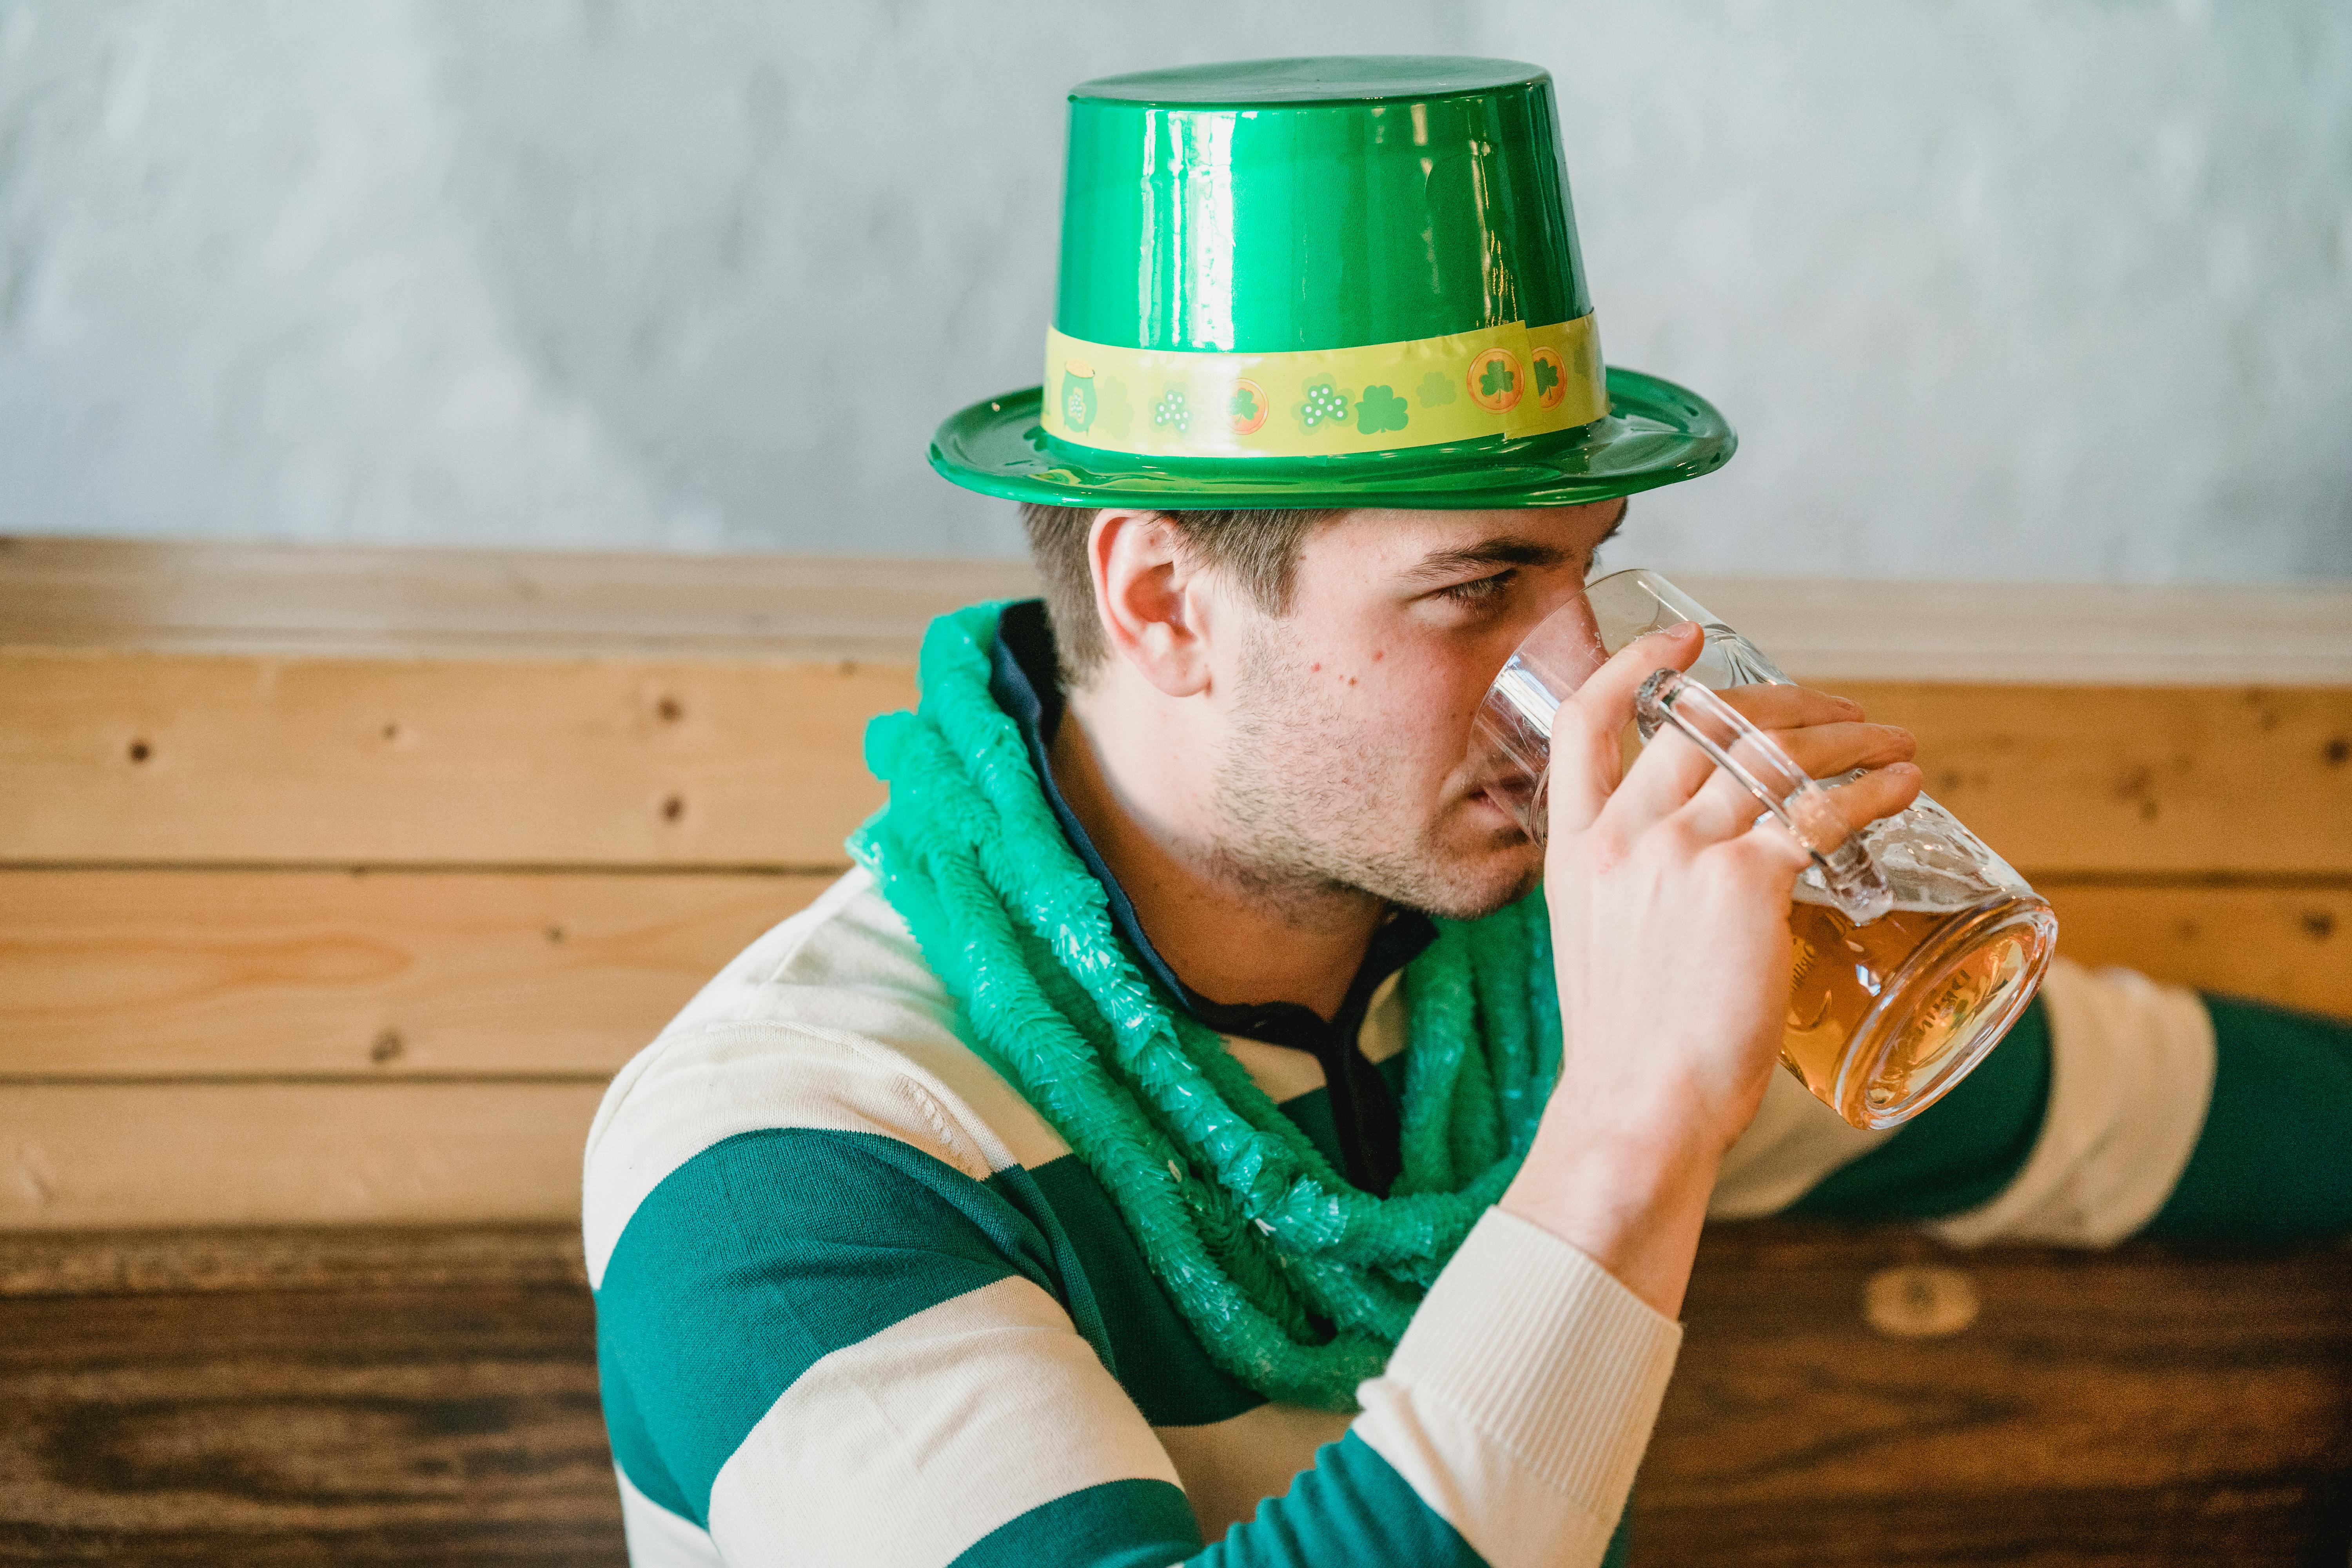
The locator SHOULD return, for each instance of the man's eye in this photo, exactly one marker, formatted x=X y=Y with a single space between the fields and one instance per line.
x=1480 y=591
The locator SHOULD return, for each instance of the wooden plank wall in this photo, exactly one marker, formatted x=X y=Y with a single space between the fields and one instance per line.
x=317 y=927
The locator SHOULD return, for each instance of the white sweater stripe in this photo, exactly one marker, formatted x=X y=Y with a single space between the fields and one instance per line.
x=946 y=1425
x=1522 y=1396
x=659 y=1538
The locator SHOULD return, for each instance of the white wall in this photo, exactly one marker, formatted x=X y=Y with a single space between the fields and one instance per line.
x=2013 y=288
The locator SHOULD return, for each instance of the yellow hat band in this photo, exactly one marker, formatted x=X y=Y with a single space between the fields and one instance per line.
x=1513 y=381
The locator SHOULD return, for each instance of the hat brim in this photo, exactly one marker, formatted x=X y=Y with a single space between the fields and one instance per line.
x=1656 y=433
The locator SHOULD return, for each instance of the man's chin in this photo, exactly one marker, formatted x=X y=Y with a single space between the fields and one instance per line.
x=1474 y=880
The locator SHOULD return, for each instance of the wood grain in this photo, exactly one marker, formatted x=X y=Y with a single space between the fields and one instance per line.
x=181 y=1262
x=399 y=601
x=221 y=596
x=2072 y=780
x=364 y=1423
x=2132 y=1408
x=2143 y=1407
x=113 y=975
x=116 y=1155
x=385 y=975
x=113 y=758
x=2289 y=943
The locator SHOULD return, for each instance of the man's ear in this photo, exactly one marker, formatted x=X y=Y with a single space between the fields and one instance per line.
x=1155 y=610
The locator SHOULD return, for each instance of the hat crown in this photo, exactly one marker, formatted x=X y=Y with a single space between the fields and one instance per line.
x=1297 y=204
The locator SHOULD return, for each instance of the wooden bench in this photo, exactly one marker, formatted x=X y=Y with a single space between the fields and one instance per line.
x=334 y=884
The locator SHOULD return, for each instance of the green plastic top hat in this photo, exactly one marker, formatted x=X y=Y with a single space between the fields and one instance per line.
x=1325 y=282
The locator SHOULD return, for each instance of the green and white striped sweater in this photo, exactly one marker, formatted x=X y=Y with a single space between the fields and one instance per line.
x=857 y=1304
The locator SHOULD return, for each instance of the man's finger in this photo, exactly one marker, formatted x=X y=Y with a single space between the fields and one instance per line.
x=1671 y=769
x=1881 y=791
x=1724 y=807
x=1586 y=730
x=1776 y=707
x=1825 y=750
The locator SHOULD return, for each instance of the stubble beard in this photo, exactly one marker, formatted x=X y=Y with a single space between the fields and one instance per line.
x=1303 y=820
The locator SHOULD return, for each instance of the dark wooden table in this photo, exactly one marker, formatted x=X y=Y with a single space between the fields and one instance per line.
x=430 y=1396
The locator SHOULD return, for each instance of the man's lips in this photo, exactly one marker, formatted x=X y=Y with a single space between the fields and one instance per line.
x=1506 y=790
x=1509 y=797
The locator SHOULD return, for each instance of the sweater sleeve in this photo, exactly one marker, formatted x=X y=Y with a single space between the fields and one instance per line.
x=820 y=1346
x=2116 y=1106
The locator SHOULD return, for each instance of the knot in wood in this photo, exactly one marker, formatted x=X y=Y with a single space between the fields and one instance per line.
x=1919 y=1302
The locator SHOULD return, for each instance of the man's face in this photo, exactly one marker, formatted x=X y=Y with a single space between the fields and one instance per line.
x=1348 y=762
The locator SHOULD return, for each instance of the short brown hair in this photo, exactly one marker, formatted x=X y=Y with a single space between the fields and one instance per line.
x=1259 y=549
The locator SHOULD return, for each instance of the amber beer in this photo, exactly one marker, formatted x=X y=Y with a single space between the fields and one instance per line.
x=1878 y=1012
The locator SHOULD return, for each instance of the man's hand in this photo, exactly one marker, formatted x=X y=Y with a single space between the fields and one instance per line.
x=1669 y=914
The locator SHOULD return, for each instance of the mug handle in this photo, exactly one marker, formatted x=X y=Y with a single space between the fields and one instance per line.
x=1855 y=882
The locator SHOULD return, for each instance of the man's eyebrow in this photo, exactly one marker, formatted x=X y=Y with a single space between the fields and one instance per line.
x=1503 y=549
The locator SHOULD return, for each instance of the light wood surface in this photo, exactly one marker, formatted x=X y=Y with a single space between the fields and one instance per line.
x=114 y=975
x=238 y=759
x=142 y=975
x=98 y=1156
x=2044 y=634
x=2289 y=943
x=2100 y=780
x=220 y=596
x=286 y=834
x=118 y=758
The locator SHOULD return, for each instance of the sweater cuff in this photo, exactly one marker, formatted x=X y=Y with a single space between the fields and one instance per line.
x=2131 y=1072
x=1520 y=1399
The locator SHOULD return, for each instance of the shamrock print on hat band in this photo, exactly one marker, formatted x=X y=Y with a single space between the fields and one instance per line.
x=1247 y=408
x=1493 y=381
x=1551 y=382
x=1325 y=403
x=1380 y=408
x=1171 y=410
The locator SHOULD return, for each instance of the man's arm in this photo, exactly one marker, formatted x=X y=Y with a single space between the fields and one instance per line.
x=2115 y=1107
x=1668 y=908
x=824 y=1344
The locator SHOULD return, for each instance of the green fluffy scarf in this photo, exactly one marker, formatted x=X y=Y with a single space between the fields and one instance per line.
x=1295 y=1283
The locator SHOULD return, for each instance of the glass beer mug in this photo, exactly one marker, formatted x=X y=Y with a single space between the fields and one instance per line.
x=1916 y=946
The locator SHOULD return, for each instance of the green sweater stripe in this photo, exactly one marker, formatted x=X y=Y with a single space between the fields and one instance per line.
x=1155 y=1355
x=1959 y=1153
x=1117 y=1524
x=1352 y=1508
x=772 y=1249
x=2274 y=1159
x=1157 y=1360
x=633 y=1448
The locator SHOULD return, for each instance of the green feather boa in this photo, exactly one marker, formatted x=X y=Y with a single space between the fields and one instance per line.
x=1295 y=1283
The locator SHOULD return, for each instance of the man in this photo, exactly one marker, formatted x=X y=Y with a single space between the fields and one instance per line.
x=1188 y=1125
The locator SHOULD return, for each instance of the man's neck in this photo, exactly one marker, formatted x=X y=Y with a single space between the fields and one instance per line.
x=1231 y=936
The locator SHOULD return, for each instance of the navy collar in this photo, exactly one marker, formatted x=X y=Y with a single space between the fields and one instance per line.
x=1024 y=680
